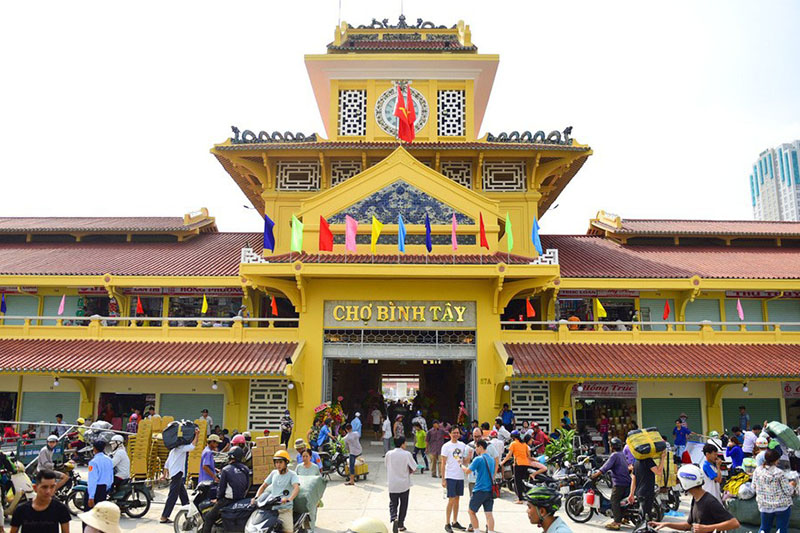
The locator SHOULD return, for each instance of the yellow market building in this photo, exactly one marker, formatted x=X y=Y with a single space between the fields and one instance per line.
x=636 y=318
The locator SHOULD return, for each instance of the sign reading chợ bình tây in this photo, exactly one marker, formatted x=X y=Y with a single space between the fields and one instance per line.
x=606 y=389
x=400 y=314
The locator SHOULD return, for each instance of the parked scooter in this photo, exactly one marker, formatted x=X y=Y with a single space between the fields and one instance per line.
x=334 y=458
x=669 y=498
x=583 y=503
x=132 y=497
x=191 y=517
x=265 y=517
x=22 y=487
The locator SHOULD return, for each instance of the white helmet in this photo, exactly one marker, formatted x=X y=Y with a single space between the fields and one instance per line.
x=761 y=442
x=367 y=524
x=52 y=438
x=690 y=476
x=117 y=438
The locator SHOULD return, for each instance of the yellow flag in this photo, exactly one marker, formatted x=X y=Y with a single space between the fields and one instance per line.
x=376 y=232
x=601 y=311
x=204 y=308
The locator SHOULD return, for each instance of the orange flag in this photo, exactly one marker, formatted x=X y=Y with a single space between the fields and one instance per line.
x=484 y=241
x=274 y=306
x=139 y=308
x=530 y=312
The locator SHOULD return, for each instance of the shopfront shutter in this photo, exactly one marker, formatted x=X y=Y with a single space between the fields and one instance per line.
x=700 y=310
x=662 y=413
x=188 y=406
x=751 y=309
x=784 y=311
x=21 y=305
x=44 y=406
x=760 y=409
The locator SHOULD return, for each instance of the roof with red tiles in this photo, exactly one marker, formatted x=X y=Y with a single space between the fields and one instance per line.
x=206 y=254
x=589 y=256
x=623 y=361
x=378 y=145
x=99 y=224
x=404 y=259
x=757 y=228
x=63 y=357
x=401 y=46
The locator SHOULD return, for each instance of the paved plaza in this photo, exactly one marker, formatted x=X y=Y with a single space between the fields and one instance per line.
x=344 y=504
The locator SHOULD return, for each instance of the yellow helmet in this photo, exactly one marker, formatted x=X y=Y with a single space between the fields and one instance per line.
x=282 y=454
x=367 y=524
x=80 y=421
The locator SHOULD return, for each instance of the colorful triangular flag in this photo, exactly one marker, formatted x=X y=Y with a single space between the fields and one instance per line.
x=401 y=234
x=377 y=226
x=269 y=234
x=61 y=305
x=428 y=239
x=530 y=312
x=273 y=306
x=665 y=316
x=509 y=233
x=453 y=237
x=325 y=236
x=739 y=309
x=601 y=311
x=484 y=241
x=537 y=242
x=350 y=232
x=204 y=307
x=297 y=235
x=139 y=308
x=3 y=304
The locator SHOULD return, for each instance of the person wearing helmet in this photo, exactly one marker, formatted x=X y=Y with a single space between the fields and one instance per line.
x=706 y=513
x=287 y=425
x=238 y=440
x=521 y=453
x=234 y=480
x=543 y=502
x=45 y=460
x=101 y=474
x=133 y=423
x=284 y=483
x=299 y=446
x=419 y=419
x=761 y=446
x=620 y=481
x=367 y=524
x=120 y=460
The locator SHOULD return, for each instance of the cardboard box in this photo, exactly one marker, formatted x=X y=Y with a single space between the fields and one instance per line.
x=259 y=461
x=261 y=442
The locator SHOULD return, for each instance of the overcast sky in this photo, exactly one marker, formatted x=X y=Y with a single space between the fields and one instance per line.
x=110 y=108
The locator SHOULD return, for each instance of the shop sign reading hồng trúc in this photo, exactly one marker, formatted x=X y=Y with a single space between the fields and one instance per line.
x=401 y=314
x=606 y=389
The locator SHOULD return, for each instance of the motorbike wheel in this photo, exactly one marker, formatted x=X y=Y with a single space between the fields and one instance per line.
x=656 y=513
x=341 y=469
x=577 y=510
x=77 y=502
x=674 y=502
x=184 y=524
x=137 y=503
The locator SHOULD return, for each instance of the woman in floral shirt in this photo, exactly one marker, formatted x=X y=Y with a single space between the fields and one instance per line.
x=773 y=493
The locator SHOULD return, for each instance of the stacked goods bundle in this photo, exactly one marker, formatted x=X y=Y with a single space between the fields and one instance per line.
x=263 y=452
x=158 y=452
x=646 y=443
x=139 y=448
x=193 y=465
x=362 y=469
x=670 y=470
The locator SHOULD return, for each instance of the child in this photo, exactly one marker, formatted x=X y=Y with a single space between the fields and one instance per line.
x=419 y=444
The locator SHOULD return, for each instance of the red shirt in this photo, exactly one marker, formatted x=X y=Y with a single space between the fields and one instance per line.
x=604 y=423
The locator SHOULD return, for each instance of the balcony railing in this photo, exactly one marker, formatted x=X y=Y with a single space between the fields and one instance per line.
x=650 y=331
x=133 y=328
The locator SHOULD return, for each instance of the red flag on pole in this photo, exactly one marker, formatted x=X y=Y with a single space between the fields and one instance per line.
x=139 y=308
x=665 y=316
x=484 y=242
x=404 y=133
x=530 y=312
x=274 y=306
x=411 y=113
x=325 y=236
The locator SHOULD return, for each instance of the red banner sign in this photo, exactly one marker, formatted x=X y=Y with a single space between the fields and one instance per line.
x=606 y=389
x=322 y=407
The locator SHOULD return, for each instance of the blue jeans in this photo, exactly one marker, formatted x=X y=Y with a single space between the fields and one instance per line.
x=781 y=521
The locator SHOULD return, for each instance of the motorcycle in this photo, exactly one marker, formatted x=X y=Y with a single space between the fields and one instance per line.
x=583 y=503
x=132 y=497
x=334 y=459
x=265 y=517
x=669 y=498
x=20 y=485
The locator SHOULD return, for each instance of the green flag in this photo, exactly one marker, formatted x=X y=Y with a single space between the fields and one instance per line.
x=297 y=235
x=509 y=234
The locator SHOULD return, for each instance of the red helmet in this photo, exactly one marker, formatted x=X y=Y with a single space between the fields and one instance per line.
x=238 y=439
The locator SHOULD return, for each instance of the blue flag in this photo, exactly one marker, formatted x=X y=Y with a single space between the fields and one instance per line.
x=401 y=234
x=3 y=304
x=537 y=243
x=428 y=241
x=269 y=236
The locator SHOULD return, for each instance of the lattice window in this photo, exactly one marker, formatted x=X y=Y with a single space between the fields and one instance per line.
x=269 y=398
x=342 y=170
x=458 y=171
x=298 y=175
x=452 y=117
x=504 y=175
x=530 y=401
x=353 y=112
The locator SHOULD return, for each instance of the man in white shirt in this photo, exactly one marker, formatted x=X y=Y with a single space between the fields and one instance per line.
x=387 y=435
x=502 y=432
x=452 y=457
x=749 y=442
x=209 y=421
x=399 y=467
x=375 y=417
x=175 y=471
x=497 y=443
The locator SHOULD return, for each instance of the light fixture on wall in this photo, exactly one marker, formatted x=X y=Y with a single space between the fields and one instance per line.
x=745 y=388
x=214 y=385
x=56 y=383
x=580 y=387
x=506 y=387
x=290 y=385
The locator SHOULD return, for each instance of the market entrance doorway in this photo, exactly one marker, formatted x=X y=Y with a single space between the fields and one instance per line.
x=434 y=387
x=8 y=405
x=117 y=408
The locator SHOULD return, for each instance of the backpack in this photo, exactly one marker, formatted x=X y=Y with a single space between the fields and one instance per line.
x=178 y=433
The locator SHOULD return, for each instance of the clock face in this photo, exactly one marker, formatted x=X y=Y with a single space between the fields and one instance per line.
x=384 y=110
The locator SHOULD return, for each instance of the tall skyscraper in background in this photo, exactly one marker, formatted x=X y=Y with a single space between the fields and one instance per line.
x=775 y=183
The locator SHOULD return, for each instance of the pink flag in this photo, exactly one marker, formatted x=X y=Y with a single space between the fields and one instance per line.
x=350 y=230
x=739 y=309
x=453 y=238
x=61 y=305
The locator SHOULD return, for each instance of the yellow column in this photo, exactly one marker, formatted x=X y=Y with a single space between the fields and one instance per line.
x=236 y=402
x=87 y=407
x=560 y=401
x=714 y=405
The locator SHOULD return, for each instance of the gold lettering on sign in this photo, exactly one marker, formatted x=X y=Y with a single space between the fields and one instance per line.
x=392 y=312
x=352 y=313
x=435 y=310
x=418 y=313
x=402 y=313
x=338 y=313
x=460 y=310
x=383 y=313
